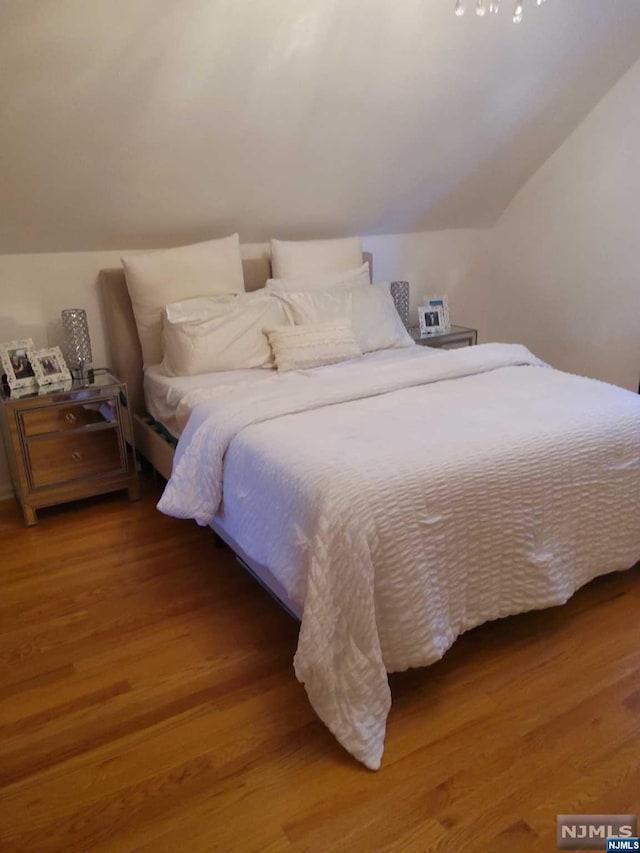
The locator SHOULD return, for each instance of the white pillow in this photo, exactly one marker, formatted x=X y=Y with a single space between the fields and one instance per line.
x=318 y=306
x=157 y=278
x=219 y=335
x=320 y=281
x=369 y=307
x=302 y=347
x=376 y=321
x=299 y=257
x=200 y=307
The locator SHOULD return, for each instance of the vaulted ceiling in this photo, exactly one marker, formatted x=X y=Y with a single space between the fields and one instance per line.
x=139 y=123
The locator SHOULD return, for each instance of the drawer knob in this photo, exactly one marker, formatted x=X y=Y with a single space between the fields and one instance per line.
x=70 y=417
x=76 y=456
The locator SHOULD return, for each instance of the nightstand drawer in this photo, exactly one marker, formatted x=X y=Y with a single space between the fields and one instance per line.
x=62 y=458
x=61 y=418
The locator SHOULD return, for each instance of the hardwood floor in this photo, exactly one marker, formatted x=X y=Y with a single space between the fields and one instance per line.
x=148 y=702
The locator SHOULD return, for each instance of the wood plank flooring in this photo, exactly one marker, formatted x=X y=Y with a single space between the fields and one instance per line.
x=148 y=703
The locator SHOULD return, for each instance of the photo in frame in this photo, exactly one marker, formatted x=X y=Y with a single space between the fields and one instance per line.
x=431 y=319
x=16 y=358
x=439 y=302
x=49 y=366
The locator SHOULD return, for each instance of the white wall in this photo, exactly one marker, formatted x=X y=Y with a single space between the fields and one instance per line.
x=35 y=288
x=154 y=122
x=564 y=272
x=439 y=262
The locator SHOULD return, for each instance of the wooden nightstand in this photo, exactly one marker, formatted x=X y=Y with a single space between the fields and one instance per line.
x=454 y=337
x=68 y=443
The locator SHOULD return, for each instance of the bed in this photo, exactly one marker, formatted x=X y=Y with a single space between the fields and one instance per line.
x=394 y=502
x=152 y=442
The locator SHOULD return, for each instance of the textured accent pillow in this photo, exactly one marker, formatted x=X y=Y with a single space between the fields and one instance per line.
x=219 y=335
x=157 y=278
x=302 y=347
x=299 y=257
x=320 y=281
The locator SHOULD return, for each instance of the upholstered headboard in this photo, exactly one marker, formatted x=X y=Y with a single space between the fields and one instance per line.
x=125 y=354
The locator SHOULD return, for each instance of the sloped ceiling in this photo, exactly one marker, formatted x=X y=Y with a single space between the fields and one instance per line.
x=139 y=123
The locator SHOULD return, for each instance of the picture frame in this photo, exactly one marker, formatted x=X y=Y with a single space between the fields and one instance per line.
x=49 y=366
x=16 y=358
x=431 y=320
x=440 y=302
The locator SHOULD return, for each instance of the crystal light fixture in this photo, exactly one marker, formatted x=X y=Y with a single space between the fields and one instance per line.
x=77 y=344
x=493 y=7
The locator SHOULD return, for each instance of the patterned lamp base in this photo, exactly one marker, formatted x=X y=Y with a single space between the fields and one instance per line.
x=400 y=294
x=77 y=348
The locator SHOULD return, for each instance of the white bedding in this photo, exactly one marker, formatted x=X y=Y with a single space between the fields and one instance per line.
x=404 y=501
x=168 y=397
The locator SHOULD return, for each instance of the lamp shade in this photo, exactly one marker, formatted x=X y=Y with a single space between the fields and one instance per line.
x=77 y=343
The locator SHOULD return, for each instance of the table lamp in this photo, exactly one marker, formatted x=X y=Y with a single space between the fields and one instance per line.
x=77 y=341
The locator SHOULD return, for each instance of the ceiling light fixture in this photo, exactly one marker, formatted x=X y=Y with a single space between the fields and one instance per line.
x=493 y=6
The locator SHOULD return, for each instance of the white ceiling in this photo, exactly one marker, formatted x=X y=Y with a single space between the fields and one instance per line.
x=139 y=123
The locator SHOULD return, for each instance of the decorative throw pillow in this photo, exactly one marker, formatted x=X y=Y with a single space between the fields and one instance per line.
x=219 y=335
x=157 y=278
x=320 y=281
x=302 y=347
x=300 y=257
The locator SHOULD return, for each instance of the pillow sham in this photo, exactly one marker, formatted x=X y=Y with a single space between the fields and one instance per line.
x=300 y=257
x=320 y=281
x=318 y=306
x=376 y=321
x=219 y=335
x=200 y=306
x=370 y=308
x=312 y=345
x=157 y=278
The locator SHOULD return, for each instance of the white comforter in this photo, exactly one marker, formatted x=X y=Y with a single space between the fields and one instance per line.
x=443 y=491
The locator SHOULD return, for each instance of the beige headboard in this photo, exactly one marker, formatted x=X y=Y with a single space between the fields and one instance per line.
x=123 y=345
